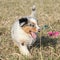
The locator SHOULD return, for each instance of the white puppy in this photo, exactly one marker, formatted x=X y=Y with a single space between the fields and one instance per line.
x=24 y=31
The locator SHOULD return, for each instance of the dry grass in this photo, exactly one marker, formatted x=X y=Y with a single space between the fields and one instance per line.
x=48 y=12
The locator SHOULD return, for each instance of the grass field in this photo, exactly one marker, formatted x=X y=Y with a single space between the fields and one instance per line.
x=48 y=13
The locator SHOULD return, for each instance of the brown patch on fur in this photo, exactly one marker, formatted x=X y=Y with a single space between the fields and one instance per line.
x=27 y=29
x=22 y=42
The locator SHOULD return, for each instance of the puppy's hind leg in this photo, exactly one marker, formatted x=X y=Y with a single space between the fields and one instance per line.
x=24 y=50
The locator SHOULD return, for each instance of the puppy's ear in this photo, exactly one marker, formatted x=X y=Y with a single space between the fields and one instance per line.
x=23 y=21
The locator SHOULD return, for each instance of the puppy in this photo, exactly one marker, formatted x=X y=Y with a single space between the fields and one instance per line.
x=24 y=31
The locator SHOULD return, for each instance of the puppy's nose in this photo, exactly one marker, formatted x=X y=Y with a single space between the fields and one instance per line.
x=38 y=30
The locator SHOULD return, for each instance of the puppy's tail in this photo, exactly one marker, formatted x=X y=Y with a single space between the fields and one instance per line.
x=33 y=14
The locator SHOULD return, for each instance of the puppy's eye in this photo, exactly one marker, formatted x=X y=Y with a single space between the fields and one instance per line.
x=32 y=25
x=29 y=24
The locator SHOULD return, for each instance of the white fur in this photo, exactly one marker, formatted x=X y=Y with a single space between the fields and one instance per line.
x=33 y=14
x=20 y=36
x=34 y=21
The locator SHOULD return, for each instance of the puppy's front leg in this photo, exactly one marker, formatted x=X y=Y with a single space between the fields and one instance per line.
x=24 y=50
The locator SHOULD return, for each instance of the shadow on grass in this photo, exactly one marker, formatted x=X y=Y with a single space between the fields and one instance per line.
x=45 y=41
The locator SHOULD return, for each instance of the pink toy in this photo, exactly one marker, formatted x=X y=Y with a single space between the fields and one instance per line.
x=54 y=33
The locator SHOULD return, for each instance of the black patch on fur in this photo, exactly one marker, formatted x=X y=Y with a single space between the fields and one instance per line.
x=33 y=9
x=23 y=20
x=22 y=44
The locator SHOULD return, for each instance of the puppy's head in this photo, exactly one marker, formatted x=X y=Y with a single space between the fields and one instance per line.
x=29 y=25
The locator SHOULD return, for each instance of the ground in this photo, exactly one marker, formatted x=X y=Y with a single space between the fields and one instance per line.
x=48 y=13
